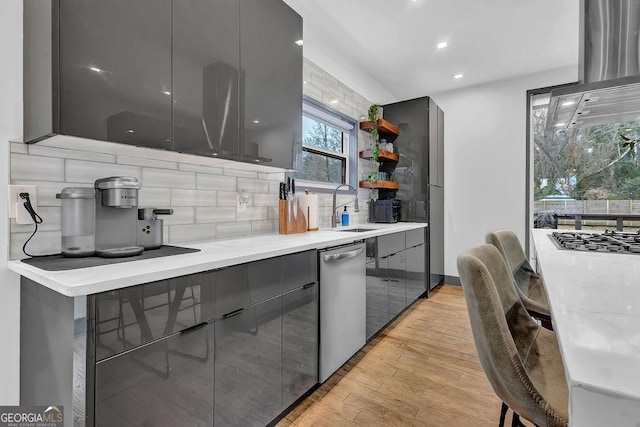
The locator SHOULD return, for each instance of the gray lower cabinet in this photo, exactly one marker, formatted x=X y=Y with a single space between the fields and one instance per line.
x=235 y=346
x=396 y=277
x=415 y=272
x=397 y=284
x=166 y=382
x=248 y=365
x=300 y=320
x=377 y=296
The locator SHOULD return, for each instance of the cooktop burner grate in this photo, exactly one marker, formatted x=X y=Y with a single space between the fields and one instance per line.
x=609 y=241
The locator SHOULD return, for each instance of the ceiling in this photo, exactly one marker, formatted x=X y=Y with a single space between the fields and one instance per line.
x=386 y=49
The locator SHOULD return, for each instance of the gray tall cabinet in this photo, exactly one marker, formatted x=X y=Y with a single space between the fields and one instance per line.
x=420 y=172
x=216 y=78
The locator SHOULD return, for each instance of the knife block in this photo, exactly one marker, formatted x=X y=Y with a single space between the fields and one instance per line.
x=288 y=224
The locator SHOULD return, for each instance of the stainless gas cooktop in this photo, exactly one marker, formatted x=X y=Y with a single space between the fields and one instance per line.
x=609 y=241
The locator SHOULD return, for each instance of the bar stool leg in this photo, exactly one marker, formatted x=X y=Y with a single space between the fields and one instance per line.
x=503 y=414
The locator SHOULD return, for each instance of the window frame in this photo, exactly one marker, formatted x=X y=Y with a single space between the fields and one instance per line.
x=323 y=113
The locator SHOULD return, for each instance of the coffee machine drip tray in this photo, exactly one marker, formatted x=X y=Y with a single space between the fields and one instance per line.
x=60 y=263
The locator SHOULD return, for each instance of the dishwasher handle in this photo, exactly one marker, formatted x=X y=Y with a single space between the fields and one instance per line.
x=344 y=255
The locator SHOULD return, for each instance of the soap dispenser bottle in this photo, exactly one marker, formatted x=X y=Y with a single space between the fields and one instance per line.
x=345 y=217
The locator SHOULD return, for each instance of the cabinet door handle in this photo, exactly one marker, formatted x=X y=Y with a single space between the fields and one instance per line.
x=309 y=285
x=193 y=328
x=344 y=255
x=233 y=313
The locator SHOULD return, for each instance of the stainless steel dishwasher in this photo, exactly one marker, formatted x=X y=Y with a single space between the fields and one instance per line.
x=342 y=305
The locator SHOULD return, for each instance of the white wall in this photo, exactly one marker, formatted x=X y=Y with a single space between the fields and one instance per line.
x=484 y=157
x=10 y=127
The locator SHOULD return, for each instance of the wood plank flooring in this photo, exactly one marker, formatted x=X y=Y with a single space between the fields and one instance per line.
x=423 y=370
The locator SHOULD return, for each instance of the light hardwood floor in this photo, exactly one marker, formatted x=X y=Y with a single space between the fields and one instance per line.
x=423 y=370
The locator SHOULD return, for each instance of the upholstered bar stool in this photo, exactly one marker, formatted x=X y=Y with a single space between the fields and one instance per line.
x=520 y=358
x=530 y=286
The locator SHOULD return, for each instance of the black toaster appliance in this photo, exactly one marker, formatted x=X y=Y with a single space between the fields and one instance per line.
x=387 y=210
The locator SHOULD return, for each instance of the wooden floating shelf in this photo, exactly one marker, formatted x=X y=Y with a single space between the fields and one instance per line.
x=382 y=155
x=384 y=127
x=390 y=185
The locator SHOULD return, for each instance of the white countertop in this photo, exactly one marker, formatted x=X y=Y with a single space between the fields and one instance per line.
x=595 y=306
x=213 y=254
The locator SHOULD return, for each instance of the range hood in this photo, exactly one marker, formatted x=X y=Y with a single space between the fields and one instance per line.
x=609 y=88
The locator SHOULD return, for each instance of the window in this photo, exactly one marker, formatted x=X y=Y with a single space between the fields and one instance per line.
x=329 y=147
x=584 y=170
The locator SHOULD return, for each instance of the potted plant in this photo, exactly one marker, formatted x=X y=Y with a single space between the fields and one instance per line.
x=373 y=118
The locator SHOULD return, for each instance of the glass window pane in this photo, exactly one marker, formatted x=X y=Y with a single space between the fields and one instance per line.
x=585 y=170
x=316 y=167
x=320 y=135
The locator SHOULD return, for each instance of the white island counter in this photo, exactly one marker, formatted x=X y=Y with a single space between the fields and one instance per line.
x=595 y=307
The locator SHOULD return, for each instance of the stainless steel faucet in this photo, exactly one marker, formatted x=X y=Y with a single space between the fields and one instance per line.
x=356 y=208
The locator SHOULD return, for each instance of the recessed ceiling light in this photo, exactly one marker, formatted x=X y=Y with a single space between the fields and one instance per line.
x=299 y=42
x=129 y=130
x=568 y=103
x=559 y=125
x=95 y=69
x=458 y=76
x=335 y=101
x=166 y=92
x=442 y=45
x=256 y=121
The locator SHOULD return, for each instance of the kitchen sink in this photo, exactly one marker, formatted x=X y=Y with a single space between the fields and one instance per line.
x=358 y=230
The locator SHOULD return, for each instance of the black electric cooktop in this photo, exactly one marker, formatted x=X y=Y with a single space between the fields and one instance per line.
x=60 y=263
x=609 y=241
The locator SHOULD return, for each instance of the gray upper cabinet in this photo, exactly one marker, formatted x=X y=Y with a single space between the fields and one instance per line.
x=270 y=82
x=216 y=78
x=115 y=71
x=206 y=63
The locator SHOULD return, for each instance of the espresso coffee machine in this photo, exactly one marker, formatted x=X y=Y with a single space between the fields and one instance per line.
x=117 y=217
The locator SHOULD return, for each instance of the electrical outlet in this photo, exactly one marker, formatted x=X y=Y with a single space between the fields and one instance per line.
x=16 y=207
x=242 y=202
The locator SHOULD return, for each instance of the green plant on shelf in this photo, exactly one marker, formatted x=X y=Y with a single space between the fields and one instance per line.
x=375 y=149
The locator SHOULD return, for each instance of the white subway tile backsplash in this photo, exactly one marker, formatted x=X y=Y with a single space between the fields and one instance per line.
x=252 y=214
x=138 y=161
x=51 y=220
x=41 y=150
x=215 y=214
x=264 y=227
x=47 y=190
x=241 y=173
x=180 y=197
x=313 y=91
x=253 y=185
x=89 y=172
x=227 y=198
x=225 y=230
x=192 y=232
x=180 y=215
x=200 y=168
x=154 y=197
x=265 y=199
x=152 y=177
x=43 y=243
x=216 y=182
x=25 y=166
x=274 y=186
x=272 y=213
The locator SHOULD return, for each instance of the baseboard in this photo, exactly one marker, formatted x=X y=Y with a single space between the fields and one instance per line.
x=452 y=280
